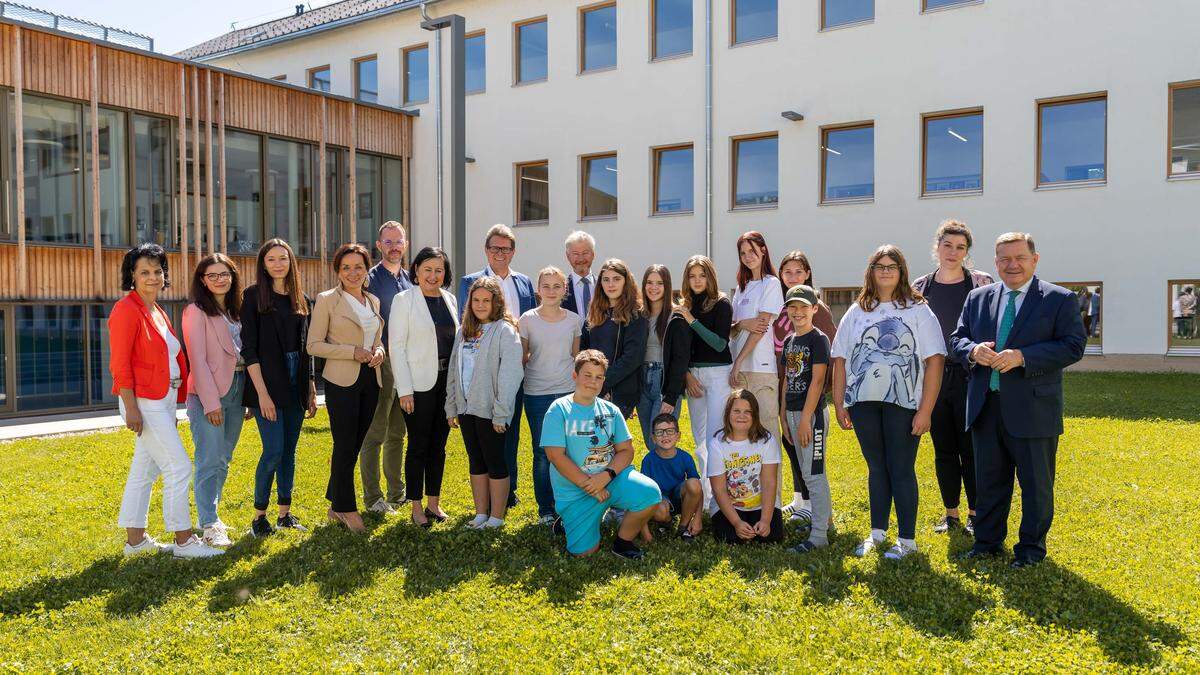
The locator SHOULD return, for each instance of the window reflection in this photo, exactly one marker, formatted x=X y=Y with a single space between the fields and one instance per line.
x=53 y=169
x=599 y=38
x=290 y=195
x=938 y=4
x=531 y=51
x=533 y=192
x=756 y=172
x=154 y=187
x=50 y=357
x=954 y=153
x=1185 y=324
x=1089 y=294
x=319 y=79
x=243 y=200
x=839 y=301
x=755 y=20
x=368 y=202
x=366 y=80
x=672 y=27
x=848 y=163
x=476 y=46
x=114 y=203
x=1071 y=146
x=416 y=75
x=599 y=186
x=673 y=180
x=842 y=12
x=1185 y=130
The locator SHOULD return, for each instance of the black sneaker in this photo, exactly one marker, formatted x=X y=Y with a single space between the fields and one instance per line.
x=970 y=526
x=261 y=527
x=686 y=536
x=946 y=524
x=557 y=528
x=291 y=522
x=629 y=552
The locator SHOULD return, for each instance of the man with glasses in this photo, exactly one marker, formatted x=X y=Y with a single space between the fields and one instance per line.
x=499 y=246
x=674 y=471
x=387 y=429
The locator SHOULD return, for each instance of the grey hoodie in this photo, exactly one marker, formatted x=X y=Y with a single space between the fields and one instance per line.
x=495 y=379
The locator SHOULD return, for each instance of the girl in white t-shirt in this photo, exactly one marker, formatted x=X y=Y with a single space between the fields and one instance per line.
x=743 y=470
x=888 y=358
x=757 y=301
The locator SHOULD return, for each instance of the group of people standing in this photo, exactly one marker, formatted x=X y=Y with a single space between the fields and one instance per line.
x=580 y=353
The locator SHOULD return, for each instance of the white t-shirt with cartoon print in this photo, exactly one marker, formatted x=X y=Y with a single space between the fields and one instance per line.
x=885 y=351
x=741 y=463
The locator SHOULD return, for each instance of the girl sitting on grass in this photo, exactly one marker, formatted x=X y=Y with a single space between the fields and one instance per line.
x=743 y=467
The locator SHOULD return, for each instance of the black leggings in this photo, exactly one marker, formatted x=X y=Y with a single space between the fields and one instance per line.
x=351 y=410
x=724 y=531
x=884 y=433
x=428 y=430
x=953 y=456
x=485 y=447
x=797 y=472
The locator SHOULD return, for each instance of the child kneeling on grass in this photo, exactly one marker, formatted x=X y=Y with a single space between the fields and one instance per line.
x=675 y=473
x=803 y=362
x=743 y=467
x=590 y=452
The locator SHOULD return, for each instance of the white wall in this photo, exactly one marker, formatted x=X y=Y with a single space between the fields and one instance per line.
x=1133 y=234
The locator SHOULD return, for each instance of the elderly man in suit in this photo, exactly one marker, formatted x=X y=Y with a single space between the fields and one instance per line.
x=581 y=283
x=500 y=245
x=1015 y=338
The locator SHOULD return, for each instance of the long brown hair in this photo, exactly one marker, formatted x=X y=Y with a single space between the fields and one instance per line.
x=744 y=275
x=712 y=293
x=471 y=327
x=868 y=297
x=291 y=282
x=664 y=314
x=204 y=299
x=627 y=308
x=795 y=256
x=757 y=431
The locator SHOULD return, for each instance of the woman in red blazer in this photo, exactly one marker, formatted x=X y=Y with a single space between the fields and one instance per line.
x=149 y=373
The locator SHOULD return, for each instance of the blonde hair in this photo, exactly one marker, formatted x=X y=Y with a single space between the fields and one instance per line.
x=1010 y=237
x=551 y=271
x=501 y=230
x=471 y=327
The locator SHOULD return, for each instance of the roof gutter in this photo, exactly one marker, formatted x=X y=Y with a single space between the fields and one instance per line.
x=332 y=25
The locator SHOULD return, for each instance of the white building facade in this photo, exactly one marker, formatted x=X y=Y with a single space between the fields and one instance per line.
x=1075 y=120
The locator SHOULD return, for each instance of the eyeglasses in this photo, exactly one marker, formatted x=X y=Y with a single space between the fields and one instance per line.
x=885 y=268
x=391 y=242
x=500 y=250
x=660 y=433
x=218 y=276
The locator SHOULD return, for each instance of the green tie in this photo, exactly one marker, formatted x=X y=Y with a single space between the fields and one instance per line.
x=1006 y=322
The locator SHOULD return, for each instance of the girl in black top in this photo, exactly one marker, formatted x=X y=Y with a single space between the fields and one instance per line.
x=274 y=333
x=617 y=327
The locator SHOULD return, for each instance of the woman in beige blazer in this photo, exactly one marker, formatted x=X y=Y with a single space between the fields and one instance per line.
x=347 y=332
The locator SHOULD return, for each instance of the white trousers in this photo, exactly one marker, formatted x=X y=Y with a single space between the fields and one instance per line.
x=705 y=414
x=157 y=451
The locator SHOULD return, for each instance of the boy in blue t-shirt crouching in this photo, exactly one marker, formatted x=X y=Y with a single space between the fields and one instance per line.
x=675 y=473
x=590 y=452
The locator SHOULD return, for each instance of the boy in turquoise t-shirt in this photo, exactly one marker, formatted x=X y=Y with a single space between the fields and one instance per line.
x=590 y=452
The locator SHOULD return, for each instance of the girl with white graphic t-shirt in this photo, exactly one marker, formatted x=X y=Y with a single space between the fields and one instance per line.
x=757 y=302
x=743 y=470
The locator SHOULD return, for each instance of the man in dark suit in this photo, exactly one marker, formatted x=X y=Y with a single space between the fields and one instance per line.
x=1015 y=338
x=499 y=246
x=581 y=283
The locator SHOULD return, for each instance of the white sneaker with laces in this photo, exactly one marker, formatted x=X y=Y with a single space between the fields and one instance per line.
x=148 y=544
x=194 y=548
x=217 y=534
x=546 y=520
x=900 y=550
x=865 y=548
x=381 y=506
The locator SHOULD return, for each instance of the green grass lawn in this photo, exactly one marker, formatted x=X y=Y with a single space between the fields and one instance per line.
x=1121 y=589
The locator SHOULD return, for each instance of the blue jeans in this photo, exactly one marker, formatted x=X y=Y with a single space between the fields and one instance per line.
x=214 y=447
x=512 y=441
x=536 y=406
x=651 y=401
x=279 y=439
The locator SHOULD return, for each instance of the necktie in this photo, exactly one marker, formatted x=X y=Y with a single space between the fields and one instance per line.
x=1006 y=322
x=585 y=296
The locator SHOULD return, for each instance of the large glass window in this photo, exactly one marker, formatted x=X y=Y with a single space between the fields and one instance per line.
x=366 y=79
x=290 y=195
x=531 y=51
x=99 y=375
x=1071 y=141
x=336 y=180
x=3 y=358
x=53 y=170
x=393 y=191
x=839 y=301
x=114 y=194
x=672 y=31
x=1185 y=129
x=848 y=163
x=476 y=46
x=319 y=79
x=599 y=199
x=153 y=174
x=196 y=181
x=50 y=356
x=938 y=4
x=243 y=200
x=836 y=13
x=673 y=180
x=755 y=20
x=1090 y=311
x=953 y=153
x=416 y=75
x=368 y=200
x=1185 y=323
x=533 y=192
x=598 y=38
x=756 y=171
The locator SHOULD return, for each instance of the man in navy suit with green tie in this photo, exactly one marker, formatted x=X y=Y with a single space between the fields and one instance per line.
x=1015 y=338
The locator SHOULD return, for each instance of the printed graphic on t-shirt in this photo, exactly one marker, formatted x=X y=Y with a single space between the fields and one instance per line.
x=884 y=365
x=598 y=431
x=797 y=363
x=743 y=480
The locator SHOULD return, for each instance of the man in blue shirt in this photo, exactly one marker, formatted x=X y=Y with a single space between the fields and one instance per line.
x=387 y=429
x=590 y=452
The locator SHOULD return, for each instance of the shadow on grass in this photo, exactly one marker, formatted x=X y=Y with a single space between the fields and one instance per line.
x=1133 y=396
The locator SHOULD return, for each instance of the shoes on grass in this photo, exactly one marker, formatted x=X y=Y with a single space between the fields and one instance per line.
x=382 y=507
x=627 y=551
x=970 y=526
x=866 y=547
x=546 y=519
x=194 y=548
x=900 y=550
x=217 y=534
x=290 y=522
x=148 y=544
x=261 y=527
x=806 y=546
x=946 y=524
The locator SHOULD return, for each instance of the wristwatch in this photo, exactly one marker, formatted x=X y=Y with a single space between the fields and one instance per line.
x=612 y=475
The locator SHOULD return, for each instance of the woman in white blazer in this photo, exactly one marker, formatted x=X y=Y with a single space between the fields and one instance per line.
x=421 y=329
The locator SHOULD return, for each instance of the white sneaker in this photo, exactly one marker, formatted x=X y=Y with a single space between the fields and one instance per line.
x=147 y=545
x=864 y=549
x=546 y=520
x=492 y=524
x=217 y=534
x=194 y=548
x=476 y=522
x=381 y=506
x=900 y=551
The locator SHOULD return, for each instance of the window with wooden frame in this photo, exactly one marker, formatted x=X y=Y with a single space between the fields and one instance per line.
x=1089 y=294
x=672 y=188
x=753 y=20
x=1183 y=122
x=415 y=62
x=530 y=51
x=319 y=79
x=366 y=79
x=670 y=28
x=1071 y=140
x=847 y=160
x=533 y=192
x=598 y=37
x=1183 y=303
x=934 y=5
x=952 y=152
x=476 y=53
x=839 y=299
x=840 y=13
x=755 y=171
x=598 y=186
